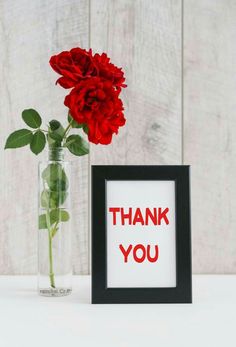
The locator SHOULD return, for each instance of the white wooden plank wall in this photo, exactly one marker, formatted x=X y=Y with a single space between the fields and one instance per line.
x=210 y=130
x=145 y=37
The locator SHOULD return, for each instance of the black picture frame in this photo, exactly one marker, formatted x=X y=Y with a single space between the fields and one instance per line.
x=182 y=293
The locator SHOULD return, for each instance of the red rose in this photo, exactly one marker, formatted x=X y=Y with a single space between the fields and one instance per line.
x=95 y=102
x=73 y=65
x=109 y=71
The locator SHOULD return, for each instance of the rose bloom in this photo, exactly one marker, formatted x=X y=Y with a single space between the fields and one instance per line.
x=73 y=65
x=78 y=64
x=109 y=71
x=95 y=102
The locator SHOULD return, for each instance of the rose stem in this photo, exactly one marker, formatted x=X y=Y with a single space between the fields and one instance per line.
x=67 y=129
x=51 y=273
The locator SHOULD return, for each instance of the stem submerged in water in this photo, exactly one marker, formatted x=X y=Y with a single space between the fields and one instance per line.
x=51 y=272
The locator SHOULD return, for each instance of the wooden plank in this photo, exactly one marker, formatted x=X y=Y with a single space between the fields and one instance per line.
x=209 y=130
x=144 y=37
x=31 y=31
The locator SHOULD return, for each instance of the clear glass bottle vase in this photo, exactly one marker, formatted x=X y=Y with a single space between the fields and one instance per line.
x=54 y=226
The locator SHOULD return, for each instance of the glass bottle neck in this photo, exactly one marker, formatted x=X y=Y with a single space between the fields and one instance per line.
x=56 y=154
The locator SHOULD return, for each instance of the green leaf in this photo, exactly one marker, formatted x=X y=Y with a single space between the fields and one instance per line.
x=45 y=199
x=73 y=122
x=55 y=176
x=51 y=141
x=56 y=132
x=77 y=145
x=38 y=142
x=52 y=172
x=19 y=138
x=42 y=222
x=59 y=215
x=55 y=136
x=54 y=124
x=56 y=215
x=64 y=216
x=53 y=199
x=32 y=118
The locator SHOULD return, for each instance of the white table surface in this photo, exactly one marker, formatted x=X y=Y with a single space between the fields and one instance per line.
x=27 y=319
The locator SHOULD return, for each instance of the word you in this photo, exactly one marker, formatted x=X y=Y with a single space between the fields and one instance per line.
x=140 y=253
x=133 y=216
